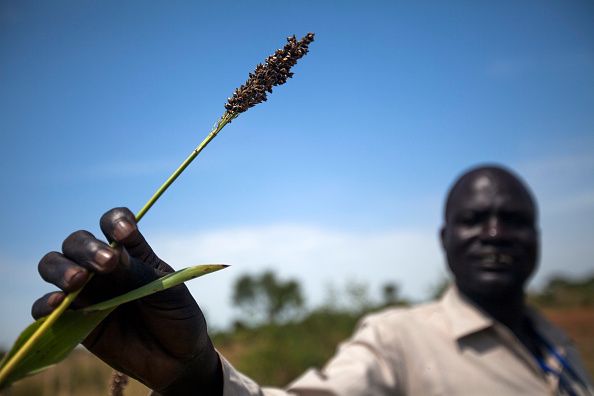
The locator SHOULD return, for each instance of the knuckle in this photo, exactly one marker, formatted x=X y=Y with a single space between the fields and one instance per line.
x=76 y=237
x=40 y=307
x=116 y=214
x=47 y=261
x=115 y=217
x=49 y=257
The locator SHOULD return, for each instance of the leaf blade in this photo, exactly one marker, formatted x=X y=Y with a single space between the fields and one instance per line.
x=163 y=283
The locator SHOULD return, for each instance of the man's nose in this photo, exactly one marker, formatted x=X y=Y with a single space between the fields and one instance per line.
x=492 y=228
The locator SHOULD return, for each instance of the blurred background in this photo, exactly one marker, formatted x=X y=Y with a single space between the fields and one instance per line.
x=331 y=191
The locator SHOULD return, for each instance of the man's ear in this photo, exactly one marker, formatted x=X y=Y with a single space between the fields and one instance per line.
x=442 y=238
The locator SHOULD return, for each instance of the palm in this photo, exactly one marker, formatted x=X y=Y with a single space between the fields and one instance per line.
x=152 y=338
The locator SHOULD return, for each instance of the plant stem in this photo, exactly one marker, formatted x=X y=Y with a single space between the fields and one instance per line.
x=225 y=119
x=53 y=317
x=28 y=345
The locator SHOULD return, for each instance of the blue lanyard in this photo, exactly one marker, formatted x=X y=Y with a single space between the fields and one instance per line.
x=565 y=366
x=562 y=381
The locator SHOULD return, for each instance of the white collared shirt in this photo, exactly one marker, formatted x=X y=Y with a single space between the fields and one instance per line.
x=448 y=347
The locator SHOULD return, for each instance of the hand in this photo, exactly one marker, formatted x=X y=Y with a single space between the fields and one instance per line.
x=162 y=339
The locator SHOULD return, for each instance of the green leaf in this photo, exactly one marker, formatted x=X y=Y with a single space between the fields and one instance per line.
x=74 y=326
x=169 y=280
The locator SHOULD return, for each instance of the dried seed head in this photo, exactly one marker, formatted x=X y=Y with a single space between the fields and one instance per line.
x=275 y=71
x=118 y=383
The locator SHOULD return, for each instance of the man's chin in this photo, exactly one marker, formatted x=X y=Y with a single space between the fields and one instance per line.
x=493 y=286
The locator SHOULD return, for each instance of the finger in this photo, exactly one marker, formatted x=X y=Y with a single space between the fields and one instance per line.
x=89 y=252
x=119 y=225
x=46 y=304
x=62 y=272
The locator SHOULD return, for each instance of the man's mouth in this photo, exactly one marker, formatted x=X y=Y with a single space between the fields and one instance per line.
x=496 y=262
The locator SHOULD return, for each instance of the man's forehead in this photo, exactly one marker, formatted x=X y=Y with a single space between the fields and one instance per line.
x=487 y=187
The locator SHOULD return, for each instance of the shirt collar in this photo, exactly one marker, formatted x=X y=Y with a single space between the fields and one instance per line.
x=464 y=317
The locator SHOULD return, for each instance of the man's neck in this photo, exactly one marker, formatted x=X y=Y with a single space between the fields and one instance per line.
x=508 y=309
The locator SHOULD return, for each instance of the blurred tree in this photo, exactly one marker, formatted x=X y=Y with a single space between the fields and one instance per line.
x=391 y=295
x=561 y=291
x=265 y=298
x=357 y=297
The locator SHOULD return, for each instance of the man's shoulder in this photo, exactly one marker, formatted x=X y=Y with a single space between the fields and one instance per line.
x=546 y=328
x=401 y=328
x=401 y=317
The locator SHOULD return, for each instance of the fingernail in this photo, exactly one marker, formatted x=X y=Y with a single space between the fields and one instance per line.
x=122 y=229
x=55 y=299
x=76 y=278
x=103 y=259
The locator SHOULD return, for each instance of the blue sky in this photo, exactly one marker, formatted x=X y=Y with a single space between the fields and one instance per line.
x=340 y=176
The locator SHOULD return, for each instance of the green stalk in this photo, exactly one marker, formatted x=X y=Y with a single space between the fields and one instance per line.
x=51 y=319
x=21 y=353
x=225 y=119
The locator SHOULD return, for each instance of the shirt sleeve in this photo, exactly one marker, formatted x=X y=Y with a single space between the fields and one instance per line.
x=359 y=368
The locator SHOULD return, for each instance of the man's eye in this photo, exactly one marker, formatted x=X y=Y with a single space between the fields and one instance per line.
x=468 y=218
x=518 y=220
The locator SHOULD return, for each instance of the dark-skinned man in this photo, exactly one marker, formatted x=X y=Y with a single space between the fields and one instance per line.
x=479 y=339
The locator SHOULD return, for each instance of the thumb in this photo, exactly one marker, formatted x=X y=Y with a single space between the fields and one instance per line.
x=119 y=225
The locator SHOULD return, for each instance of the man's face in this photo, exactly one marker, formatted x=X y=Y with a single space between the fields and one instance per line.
x=490 y=236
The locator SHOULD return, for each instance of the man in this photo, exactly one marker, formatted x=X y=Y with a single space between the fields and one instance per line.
x=480 y=339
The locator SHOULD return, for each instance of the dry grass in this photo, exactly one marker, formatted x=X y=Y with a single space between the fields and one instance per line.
x=80 y=374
